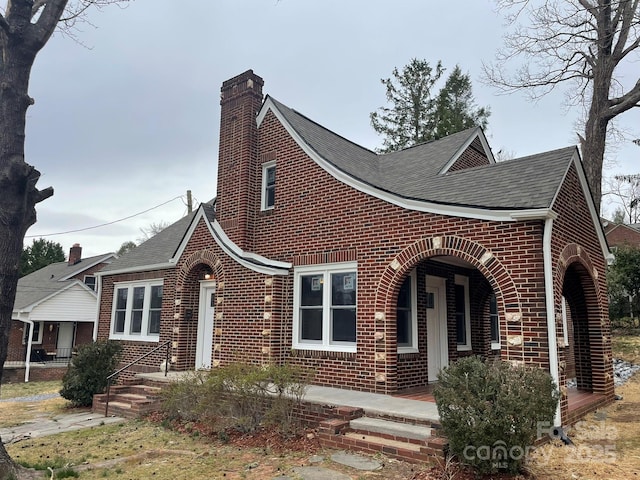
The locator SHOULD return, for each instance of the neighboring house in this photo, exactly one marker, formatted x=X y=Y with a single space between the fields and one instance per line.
x=375 y=270
x=621 y=234
x=54 y=311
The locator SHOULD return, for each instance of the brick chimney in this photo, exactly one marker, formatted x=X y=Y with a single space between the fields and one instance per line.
x=240 y=101
x=75 y=254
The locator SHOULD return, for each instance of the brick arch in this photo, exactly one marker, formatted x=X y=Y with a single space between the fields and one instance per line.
x=576 y=274
x=473 y=253
x=185 y=317
x=570 y=254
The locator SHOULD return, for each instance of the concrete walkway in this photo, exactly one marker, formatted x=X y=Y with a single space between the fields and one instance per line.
x=64 y=422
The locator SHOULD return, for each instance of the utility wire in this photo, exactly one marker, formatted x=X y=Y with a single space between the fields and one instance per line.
x=104 y=224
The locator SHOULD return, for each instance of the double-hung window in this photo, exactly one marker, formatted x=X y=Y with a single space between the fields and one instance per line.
x=90 y=281
x=325 y=307
x=136 y=311
x=36 y=335
x=268 y=199
x=462 y=313
x=406 y=316
x=494 y=322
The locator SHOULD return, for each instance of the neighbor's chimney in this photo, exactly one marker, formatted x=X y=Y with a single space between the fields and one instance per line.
x=75 y=254
x=240 y=101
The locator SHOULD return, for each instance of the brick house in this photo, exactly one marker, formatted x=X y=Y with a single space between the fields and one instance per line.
x=54 y=312
x=375 y=270
x=619 y=234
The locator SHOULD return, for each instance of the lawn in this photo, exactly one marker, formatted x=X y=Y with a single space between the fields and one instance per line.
x=15 y=413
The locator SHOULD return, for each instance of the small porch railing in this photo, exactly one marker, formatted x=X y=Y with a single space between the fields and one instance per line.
x=130 y=364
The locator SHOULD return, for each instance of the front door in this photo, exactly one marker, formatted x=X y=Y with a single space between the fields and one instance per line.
x=64 y=345
x=206 y=312
x=437 y=339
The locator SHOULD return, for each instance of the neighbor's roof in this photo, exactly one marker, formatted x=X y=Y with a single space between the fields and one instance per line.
x=416 y=173
x=51 y=279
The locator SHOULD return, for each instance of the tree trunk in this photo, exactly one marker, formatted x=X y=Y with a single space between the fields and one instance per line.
x=18 y=186
x=592 y=146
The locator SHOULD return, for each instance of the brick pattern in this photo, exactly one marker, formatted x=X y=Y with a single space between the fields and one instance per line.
x=473 y=156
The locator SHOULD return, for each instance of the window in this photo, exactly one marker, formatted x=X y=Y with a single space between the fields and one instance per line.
x=565 y=326
x=325 y=307
x=268 y=186
x=406 y=317
x=494 y=322
x=462 y=313
x=136 y=311
x=90 y=281
x=36 y=336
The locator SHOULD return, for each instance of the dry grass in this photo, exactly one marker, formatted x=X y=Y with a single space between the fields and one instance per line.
x=16 y=413
x=626 y=347
x=13 y=390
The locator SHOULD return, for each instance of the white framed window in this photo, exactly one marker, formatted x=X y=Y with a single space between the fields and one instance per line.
x=325 y=305
x=268 y=199
x=90 y=281
x=36 y=335
x=406 y=316
x=565 y=327
x=136 y=311
x=462 y=313
x=494 y=322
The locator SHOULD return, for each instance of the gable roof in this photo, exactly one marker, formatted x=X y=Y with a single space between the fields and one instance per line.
x=418 y=178
x=156 y=252
x=51 y=280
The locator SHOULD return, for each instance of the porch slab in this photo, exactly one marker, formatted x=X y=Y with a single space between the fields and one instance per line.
x=374 y=404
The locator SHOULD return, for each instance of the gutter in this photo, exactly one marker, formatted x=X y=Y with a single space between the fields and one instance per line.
x=96 y=320
x=551 y=318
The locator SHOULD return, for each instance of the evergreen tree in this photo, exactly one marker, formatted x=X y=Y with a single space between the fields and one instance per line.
x=417 y=114
x=40 y=254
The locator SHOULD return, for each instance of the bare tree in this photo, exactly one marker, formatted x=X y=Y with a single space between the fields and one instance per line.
x=25 y=28
x=626 y=190
x=582 y=43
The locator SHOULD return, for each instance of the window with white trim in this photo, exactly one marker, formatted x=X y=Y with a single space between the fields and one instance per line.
x=36 y=335
x=136 y=311
x=268 y=199
x=462 y=312
x=494 y=322
x=324 y=315
x=90 y=281
x=406 y=316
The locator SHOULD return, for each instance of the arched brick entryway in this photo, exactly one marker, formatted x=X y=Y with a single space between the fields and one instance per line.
x=474 y=254
x=185 y=319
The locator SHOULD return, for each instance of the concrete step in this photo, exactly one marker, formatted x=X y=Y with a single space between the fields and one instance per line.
x=391 y=430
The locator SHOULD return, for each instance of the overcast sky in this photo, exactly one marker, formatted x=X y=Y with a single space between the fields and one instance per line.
x=127 y=115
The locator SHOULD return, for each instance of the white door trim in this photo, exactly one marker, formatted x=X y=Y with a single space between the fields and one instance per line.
x=206 y=313
x=437 y=335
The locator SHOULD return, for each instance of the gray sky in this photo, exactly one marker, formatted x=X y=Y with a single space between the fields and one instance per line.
x=128 y=118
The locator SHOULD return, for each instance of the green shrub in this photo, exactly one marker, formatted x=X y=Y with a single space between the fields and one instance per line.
x=491 y=411
x=88 y=371
x=241 y=396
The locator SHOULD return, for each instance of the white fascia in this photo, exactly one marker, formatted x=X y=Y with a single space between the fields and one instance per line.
x=143 y=268
x=407 y=203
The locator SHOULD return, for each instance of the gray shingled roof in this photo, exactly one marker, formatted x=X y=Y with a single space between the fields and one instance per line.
x=160 y=248
x=413 y=173
x=42 y=283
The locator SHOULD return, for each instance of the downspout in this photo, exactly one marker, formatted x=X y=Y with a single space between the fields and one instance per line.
x=27 y=361
x=551 y=317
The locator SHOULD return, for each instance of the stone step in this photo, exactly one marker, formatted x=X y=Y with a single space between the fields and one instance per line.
x=383 y=442
x=391 y=430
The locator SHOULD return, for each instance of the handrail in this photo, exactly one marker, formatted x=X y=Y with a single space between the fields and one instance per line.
x=130 y=364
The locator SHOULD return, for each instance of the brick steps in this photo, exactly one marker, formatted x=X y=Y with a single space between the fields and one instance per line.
x=408 y=442
x=129 y=401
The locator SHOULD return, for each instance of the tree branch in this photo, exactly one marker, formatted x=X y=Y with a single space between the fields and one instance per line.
x=4 y=25
x=46 y=24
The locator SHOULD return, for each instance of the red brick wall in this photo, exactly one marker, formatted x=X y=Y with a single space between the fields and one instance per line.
x=618 y=235
x=473 y=156
x=580 y=274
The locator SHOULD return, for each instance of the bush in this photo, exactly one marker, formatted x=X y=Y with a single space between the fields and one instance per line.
x=241 y=396
x=88 y=371
x=491 y=411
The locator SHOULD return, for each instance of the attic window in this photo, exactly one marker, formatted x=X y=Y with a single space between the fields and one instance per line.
x=268 y=200
x=90 y=281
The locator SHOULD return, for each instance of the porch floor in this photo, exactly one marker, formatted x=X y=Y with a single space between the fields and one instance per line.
x=372 y=403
